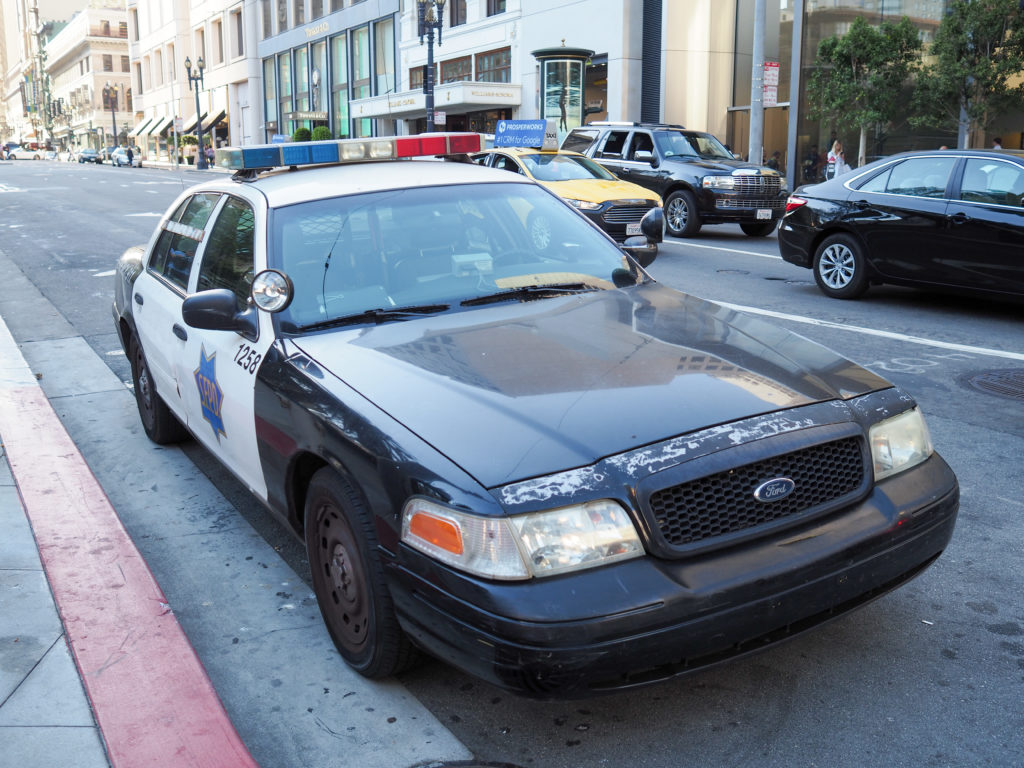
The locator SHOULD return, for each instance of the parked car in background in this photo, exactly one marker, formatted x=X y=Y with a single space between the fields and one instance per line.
x=120 y=157
x=21 y=152
x=89 y=155
x=50 y=154
x=699 y=180
x=106 y=153
x=931 y=219
x=614 y=205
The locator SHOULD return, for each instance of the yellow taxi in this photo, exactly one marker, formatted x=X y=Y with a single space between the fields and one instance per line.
x=614 y=205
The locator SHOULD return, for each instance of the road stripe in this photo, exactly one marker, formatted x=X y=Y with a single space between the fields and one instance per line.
x=151 y=697
x=688 y=244
x=875 y=332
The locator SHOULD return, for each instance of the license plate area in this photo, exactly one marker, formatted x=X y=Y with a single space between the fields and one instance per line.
x=764 y=213
x=633 y=229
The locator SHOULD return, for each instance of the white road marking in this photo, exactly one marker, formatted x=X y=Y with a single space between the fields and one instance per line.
x=143 y=214
x=728 y=250
x=108 y=273
x=876 y=332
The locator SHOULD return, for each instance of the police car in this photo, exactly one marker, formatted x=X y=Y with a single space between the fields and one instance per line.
x=542 y=467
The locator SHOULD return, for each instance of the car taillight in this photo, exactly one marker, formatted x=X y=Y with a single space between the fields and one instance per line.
x=794 y=202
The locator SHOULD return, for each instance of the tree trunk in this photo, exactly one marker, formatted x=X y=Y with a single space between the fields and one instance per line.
x=862 y=150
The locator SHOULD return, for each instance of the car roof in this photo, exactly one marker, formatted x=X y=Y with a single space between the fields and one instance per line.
x=298 y=185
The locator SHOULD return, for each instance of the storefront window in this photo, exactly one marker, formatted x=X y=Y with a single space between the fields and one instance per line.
x=317 y=82
x=454 y=70
x=562 y=99
x=301 y=85
x=494 y=66
x=284 y=84
x=270 y=97
x=361 y=77
x=384 y=55
x=339 y=86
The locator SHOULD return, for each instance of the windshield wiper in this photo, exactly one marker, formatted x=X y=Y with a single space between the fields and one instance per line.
x=527 y=292
x=377 y=315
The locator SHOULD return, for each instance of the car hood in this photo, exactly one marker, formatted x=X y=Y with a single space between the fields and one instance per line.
x=523 y=389
x=599 y=190
x=720 y=166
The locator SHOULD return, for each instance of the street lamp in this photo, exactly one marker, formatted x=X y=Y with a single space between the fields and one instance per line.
x=198 y=80
x=110 y=96
x=430 y=14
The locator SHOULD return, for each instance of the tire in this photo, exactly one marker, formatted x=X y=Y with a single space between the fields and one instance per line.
x=539 y=228
x=161 y=426
x=758 y=228
x=348 y=579
x=681 y=216
x=840 y=269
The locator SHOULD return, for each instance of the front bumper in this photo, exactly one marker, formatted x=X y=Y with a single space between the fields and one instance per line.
x=615 y=216
x=723 y=206
x=651 y=619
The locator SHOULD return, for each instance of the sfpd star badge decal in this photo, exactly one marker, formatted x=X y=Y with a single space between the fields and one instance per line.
x=211 y=397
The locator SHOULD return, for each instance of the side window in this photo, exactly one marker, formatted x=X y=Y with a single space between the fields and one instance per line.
x=642 y=142
x=579 y=140
x=921 y=177
x=613 y=145
x=505 y=163
x=177 y=245
x=992 y=181
x=228 y=259
x=878 y=182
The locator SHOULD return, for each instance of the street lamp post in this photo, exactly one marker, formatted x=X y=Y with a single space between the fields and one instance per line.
x=198 y=80
x=430 y=14
x=110 y=95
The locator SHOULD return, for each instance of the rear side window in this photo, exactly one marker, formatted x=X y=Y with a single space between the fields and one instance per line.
x=177 y=245
x=917 y=177
x=613 y=145
x=579 y=140
x=992 y=181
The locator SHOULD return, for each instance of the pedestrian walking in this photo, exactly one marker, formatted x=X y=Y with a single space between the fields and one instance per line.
x=131 y=157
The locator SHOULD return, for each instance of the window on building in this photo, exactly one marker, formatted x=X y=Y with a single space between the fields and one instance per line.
x=200 y=46
x=125 y=64
x=301 y=80
x=138 y=78
x=217 y=29
x=316 y=9
x=298 y=9
x=108 y=62
x=384 y=55
x=122 y=29
x=266 y=20
x=458 y=12
x=158 y=67
x=416 y=76
x=282 y=15
x=270 y=97
x=172 y=67
x=339 y=86
x=237 y=35
x=318 y=79
x=494 y=66
x=454 y=70
x=494 y=7
x=337 y=5
x=361 y=76
x=133 y=14
x=105 y=28
x=284 y=90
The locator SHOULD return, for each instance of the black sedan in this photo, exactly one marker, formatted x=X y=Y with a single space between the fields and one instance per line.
x=943 y=219
x=535 y=463
x=89 y=155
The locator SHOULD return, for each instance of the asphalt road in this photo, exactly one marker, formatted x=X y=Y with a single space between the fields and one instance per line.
x=931 y=675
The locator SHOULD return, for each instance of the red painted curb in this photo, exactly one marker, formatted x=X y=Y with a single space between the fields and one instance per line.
x=152 y=699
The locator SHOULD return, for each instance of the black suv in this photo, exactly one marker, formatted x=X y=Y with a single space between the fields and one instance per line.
x=699 y=180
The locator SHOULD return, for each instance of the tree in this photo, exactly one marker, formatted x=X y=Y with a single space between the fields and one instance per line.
x=321 y=133
x=972 y=74
x=301 y=134
x=859 y=77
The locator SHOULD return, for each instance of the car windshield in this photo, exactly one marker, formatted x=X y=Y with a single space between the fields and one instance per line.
x=419 y=248
x=702 y=145
x=563 y=168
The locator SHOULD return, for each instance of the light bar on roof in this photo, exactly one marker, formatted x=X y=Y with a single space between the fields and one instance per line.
x=296 y=153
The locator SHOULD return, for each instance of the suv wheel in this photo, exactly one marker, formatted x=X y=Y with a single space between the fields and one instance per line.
x=681 y=216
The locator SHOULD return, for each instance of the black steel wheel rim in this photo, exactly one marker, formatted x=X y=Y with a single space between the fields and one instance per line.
x=343 y=576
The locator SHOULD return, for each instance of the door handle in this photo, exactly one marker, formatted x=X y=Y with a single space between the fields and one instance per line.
x=138 y=299
x=959 y=218
x=180 y=332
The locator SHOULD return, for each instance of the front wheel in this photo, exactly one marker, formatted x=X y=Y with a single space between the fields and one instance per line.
x=681 y=216
x=348 y=579
x=840 y=269
x=160 y=424
x=758 y=228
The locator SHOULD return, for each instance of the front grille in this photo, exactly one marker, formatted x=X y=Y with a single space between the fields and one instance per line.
x=757 y=186
x=626 y=214
x=747 y=204
x=724 y=503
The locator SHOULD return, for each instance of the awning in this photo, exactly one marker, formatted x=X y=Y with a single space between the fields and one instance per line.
x=454 y=98
x=190 y=125
x=141 y=127
x=216 y=118
x=158 y=127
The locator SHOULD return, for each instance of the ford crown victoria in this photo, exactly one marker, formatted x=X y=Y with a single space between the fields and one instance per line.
x=540 y=466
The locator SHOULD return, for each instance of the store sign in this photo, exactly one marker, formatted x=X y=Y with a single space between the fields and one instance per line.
x=526 y=133
x=306 y=116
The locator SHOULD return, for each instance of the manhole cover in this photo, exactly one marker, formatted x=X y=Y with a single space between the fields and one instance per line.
x=1001 y=383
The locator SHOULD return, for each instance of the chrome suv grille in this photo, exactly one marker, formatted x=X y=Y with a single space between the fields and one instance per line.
x=761 y=186
x=724 y=503
x=626 y=214
x=746 y=203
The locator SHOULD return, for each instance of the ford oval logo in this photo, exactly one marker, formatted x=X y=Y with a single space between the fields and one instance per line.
x=775 y=489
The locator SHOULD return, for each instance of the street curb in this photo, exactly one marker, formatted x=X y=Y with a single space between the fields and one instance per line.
x=151 y=697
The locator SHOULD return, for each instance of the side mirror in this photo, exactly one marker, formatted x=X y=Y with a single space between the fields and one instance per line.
x=644 y=248
x=217 y=310
x=644 y=156
x=653 y=225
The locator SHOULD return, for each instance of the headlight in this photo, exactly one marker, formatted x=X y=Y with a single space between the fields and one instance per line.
x=899 y=443
x=718 y=182
x=538 y=544
x=583 y=205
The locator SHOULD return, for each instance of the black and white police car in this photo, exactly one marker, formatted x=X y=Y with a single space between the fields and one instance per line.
x=542 y=467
